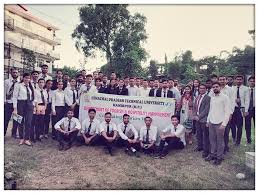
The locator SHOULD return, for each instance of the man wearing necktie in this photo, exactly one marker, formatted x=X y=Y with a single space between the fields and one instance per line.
x=164 y=92
x=109 y=132
x=251 y=109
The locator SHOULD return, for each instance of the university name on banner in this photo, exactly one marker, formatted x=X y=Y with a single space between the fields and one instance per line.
x=159 y=109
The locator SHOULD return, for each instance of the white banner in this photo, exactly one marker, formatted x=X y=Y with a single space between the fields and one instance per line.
x=159 y=109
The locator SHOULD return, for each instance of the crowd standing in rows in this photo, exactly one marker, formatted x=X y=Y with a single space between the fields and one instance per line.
x=210 y=110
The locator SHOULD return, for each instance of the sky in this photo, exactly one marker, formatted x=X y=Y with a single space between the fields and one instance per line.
x=204 y=29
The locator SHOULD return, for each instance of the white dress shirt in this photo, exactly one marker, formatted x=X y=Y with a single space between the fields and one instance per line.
x=45 y=77
x=179 y=131
x=152 y=133
x=38 y=98
x=69 y=95
x=95 y=126
x=133 y=91
x=7 y=86
x=58 y=99
x=20 y=93
x=64 y=124
x=220 y=109
x=144 y=92
x=35 y=85
x=244 y=96
x=176 y=93
x=112 y=127
x=200 y=100
x=129 y=132
x=84 y=89
x=228 y=91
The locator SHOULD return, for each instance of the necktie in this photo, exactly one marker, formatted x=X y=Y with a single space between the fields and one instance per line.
x=108 y=129
x=42 y=97
x=74 y=96
x=28 y=93
x=125 y=127
x=238 y=96
x=147 y=136
x=34 y=83
x=88 y=88
x=164 y=94
x=251 y=103
x=69 y=125
x=10 y=93
x=48 y=96
x=89 y=127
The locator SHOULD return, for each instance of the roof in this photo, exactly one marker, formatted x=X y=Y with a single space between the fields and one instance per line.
x=22 y=11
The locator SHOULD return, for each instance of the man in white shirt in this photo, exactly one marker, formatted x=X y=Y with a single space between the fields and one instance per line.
x=87 y=87
x=44 y=73
x=148 y=136
x=241 y=96
x=71 y=97
x=34 y=79
x=67 y=129
x=9 y=85
x=153 y=91
x=251 y=109
x=144 y=91
x=90 y=130
x=132 y=89
x=174 y=136
x=175 y=91
x=48 y=86
x=218 y=117
x=128 y=136
x=109 y=132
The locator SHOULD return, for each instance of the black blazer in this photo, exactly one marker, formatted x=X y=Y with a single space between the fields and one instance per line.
x=101 y=90
x=152 y=92
x=123 y=92
x=111 y=90
x=170 y=94
x=55 y=84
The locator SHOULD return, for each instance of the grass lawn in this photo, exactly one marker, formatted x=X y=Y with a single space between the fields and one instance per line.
x=44 y=167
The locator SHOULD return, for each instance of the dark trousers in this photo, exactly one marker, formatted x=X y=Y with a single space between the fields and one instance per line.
x=238 y=124
x=8 y=110
x=226 y=135
x=60 y=113
x=47 y=119
x=25 y=109
x=36 y=126
x=150 y=150
x=108 y=144
x=75 y=110
x=248 y=120
x=194 y=127
x=62 y=138
x=203 y=137
x=94 y=141
x=233 y=129
x=199 y=128
x=173 y=143
x=125 y=143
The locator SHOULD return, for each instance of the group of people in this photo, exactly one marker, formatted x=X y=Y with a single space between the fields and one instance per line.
x=209 y=110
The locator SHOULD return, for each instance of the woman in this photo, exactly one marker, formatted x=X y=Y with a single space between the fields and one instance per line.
x=185 y=108
x=23 y=104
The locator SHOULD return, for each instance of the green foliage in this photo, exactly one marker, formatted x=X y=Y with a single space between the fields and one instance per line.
x=153 y=69
x=71 y=71
x=29 y=59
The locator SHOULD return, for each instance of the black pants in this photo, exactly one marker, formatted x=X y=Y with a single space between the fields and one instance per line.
x=8 y=110
x=194 y=127
x=238 y=124
x=226 y=135
x=199 y=128
x=94 y=141
x=150 y=150
x=106 y=143
x=37 y=126
x=248 y=120
x=203 y=137
x=47 y=119
x=125 y=143
x=233 y=129
x=62 y=138
x=75 y=110
x=60 y=113
x=25 y=109
x=173 y=143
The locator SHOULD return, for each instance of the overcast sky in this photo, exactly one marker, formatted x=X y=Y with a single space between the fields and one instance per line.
x=203 y=29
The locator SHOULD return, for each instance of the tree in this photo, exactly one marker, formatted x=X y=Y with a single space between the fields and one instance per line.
x=71 y=71
x=29 y=59
x=153 y=70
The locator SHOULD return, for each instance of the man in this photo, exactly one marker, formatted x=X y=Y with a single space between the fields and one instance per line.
x=9 y=85
x=67 y=129
x=34 y=79
x=251 y=109
x=44 y=73
x=132 y=89
x=87 y=87
x=121 y=89
x=90 y=130
x=230 y=80
x=79 y=81
x=241 y=96
x=111 y=89
x=174 y=89
x=113 y=76
x=209 y=86
x=47 y=116
x=165 y=92
x=147 y=137
x=126 y=82
x=153 y=91
x=66 y=79
x=59 y=77
x=100 y=74
x=214 y=78
x=99 y=87
x=217 y=121
x=105 y=81
x=95 y=76
x=144 y=90
x=200 y=113
x=151 y=84
x=128 y=136
x=138 y=82
x=109 y=132
x=83 y=73
x=225 y=89
x=174 y=136
x=71 y=98
x=176 y=84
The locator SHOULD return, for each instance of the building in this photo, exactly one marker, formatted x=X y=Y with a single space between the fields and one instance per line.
x=29 y=41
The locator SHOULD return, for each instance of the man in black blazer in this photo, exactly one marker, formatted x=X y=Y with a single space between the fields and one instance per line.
x=153 y=91
x=59 y=76
x=164 y=91
x=99 y=87
x=121 y=89
x=200 y=113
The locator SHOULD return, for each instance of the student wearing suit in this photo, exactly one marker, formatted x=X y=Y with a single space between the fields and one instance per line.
x=200 y=113
x=23 y=105
x=111 y=89
x=9 y=85
x=47 y=116
x=241 y=96
x=59 y=77
x=152 y=92
x=164 y=92
x=99 y=87
x=121 y=90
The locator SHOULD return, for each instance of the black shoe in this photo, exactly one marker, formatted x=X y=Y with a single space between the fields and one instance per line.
x=205 y=155
x=111 y=153
x=33 y=140
x=157 y=156
x=198 y=149
x=237 y=144
x=38 y=139
x=249 y=142
x=60 y=147
x=217 y=162
x=209 y=158
x=67 y=147
x=54 y=138
x=136 y=154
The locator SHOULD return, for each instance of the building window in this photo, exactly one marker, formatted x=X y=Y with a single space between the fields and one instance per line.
x=40 y=62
